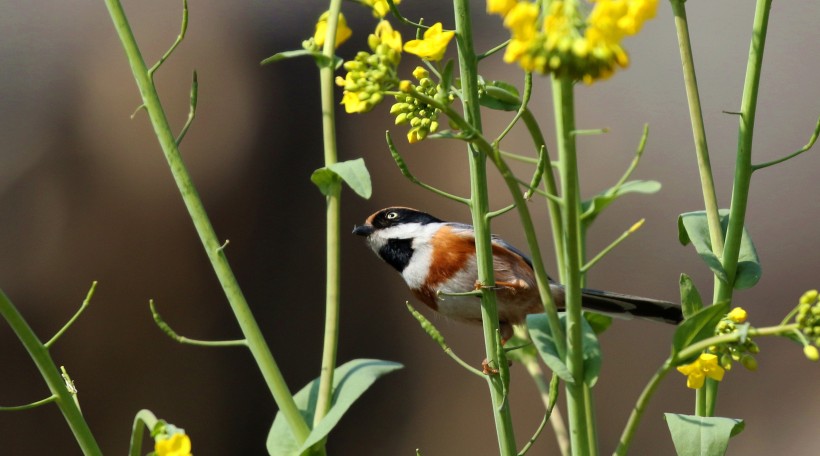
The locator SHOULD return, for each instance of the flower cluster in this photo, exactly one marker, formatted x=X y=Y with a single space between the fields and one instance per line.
x=705 y=366
x=741 y=351
x=808 y=321
x=564 y=42
x=422 y=117
x=370 y=75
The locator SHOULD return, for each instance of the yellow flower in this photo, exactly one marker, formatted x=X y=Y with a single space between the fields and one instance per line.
x=380 y=7
x=433 y=45
x=521 y=20
x=353 y=103
x=500 y=7
x=343 y=32
x=386 y=35
x=737 y=315
x=176 y=445
x=705 y=366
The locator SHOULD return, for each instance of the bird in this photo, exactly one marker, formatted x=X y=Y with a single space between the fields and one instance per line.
x=437 y=261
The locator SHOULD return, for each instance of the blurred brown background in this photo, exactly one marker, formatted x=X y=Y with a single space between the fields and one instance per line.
x=85 y=195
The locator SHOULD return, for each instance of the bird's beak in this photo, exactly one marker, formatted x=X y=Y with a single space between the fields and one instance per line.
x=363 y=230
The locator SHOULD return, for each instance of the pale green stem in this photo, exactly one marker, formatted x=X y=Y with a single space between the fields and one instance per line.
x=698 y=129
x=144 y=419
x=48 y=370
x=250 y=329
x=468 y=66
x=333 y=215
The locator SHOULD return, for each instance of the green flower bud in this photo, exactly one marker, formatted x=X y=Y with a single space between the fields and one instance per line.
x=749 y=362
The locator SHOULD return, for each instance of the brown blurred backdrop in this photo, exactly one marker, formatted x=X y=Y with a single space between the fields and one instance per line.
x=85 y=195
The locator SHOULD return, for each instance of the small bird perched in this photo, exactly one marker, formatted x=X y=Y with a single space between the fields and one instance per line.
x=437 y=260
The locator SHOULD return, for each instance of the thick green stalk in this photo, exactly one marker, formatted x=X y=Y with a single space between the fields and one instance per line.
x=333 y=210
x=564 y=109
x=48 y=370
x=743 y=162
x=250 y=329
x=698 y=129
x=743 y=172
x=499 y=384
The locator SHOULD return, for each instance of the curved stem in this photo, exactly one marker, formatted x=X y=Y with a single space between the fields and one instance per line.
x=637 y=412
x=256 y=342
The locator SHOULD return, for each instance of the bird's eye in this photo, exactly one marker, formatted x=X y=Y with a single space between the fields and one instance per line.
x=392 y=215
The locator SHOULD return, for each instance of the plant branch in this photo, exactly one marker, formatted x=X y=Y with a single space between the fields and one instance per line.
x=256 y=342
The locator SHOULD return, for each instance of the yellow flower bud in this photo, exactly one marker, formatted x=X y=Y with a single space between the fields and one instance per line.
x=737 y=315
x=405 y=86
x=811 y=352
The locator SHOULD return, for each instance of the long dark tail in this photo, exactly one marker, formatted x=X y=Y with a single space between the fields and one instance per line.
x=616 y=304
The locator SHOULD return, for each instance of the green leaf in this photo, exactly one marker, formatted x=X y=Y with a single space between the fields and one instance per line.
x=353 y=172
x=349 y=382
x=590 y=209
x=500 y=96
x=690 y=299
x=598 y=322
x=544 y=341
x=702 y=436
x=321 y=59
x=699 y=326
x=693 y=227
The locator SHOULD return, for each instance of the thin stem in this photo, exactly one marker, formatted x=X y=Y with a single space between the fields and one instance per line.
x=553 y=205
x=48 y=370
x=640 y=406
x=698 y=129
x=333 y=215
x=493 y=50
x=545 y=390
x=589 y=264
x=166 y=328
x=405 y=171
x=250 y=329
x=498 y=384
x=808 y=146
x=29 y=406
x=74 y=318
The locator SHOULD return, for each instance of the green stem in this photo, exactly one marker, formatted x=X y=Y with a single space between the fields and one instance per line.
x=743 y=162
x=333 y=215
x=640 y=407
x=553 y=206
x=48 y=370
x=250 y=329
x=698 y=129
x=468 y=67
x=144 y=419
x=564 y=109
